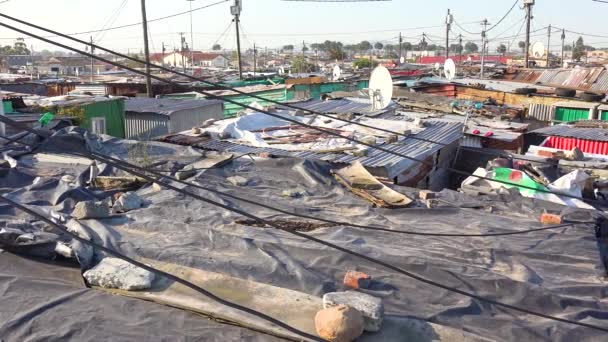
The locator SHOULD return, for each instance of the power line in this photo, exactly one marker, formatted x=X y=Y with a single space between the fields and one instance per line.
x=211 y=95
x=130 y=169
x=504 y=17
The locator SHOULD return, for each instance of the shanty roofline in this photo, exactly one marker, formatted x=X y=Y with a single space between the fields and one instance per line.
x=592 y=79
x=577 y=104
x=348 y=105
x=166 y=106
x=596 y=134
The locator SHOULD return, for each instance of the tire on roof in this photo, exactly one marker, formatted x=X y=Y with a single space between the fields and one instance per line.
x=565 y=92
x=592 y=97
x=525 y=91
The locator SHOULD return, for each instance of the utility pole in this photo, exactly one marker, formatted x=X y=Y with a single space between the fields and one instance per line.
x=548 y=45
x=448 y=26
x=182 y=49
x=400 y=47
x=255 y=56
x=235 y=10
x=303 y=50
x=191 y=37
x=483 y=46
x=146 y=48
x=528 y=4
x=460 y=48
x=563 y=44
x=164 y=49
x=92 y=60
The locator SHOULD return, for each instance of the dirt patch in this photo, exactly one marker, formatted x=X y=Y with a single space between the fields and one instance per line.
x=294 y=226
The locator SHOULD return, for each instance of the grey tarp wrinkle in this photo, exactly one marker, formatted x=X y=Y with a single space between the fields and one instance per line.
x=47 y=301
x=558 y=272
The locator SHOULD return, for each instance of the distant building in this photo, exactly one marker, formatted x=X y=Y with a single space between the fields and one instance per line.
x=199 y=59
x=597 y=56
x=71 y=66
x=15 y=62
x=424 y=53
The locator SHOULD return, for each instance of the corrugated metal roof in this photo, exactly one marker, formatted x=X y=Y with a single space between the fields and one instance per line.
x=350 y=105
x=165 y=106
x=598 y=134
x=541 y=112
x=601 y=84
x=574 y=104
x=529 y=76
x=439 y=131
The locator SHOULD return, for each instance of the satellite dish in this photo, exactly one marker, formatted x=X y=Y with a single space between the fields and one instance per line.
x=402 y=60
x=437 y=66
x=538 y=50
x=469 y=59
x=336 y=73
x=281 y=71
x=449 y=69
x=380 y=88
x=566 y=65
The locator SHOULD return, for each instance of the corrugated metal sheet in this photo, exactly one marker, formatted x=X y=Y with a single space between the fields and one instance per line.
x=355 y=106
x=601 y=84
x=186 y=119
x=587 y=146
x=95 y=89
x=166 y=106
x=528 y=76
x=597 y=134
x=541 y=112
x=145 y=126
x=471 y=141
x=439 y=131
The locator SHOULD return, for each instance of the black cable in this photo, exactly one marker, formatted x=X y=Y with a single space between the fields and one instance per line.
x=336 y=247
x=504 y=17
x=226 y=87
x=465 y=30
x=159 y=272
x=328 y=132
x=159 y=174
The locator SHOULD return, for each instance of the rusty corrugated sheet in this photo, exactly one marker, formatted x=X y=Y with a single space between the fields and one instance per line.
x=601 y=84
x=528 y=76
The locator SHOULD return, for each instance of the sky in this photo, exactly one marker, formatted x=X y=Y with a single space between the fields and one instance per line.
x=274 y=23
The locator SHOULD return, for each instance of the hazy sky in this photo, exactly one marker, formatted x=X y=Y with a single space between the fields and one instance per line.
x=272 y=23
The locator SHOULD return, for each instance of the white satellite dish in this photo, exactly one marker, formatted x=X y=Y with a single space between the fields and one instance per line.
x=449 y=69
x=469 y=59
x=402 y=60
x=380 y=88
x=281 y=71
x=566 y=64
x=538 y=50
x=336 y=73
x=437 y=66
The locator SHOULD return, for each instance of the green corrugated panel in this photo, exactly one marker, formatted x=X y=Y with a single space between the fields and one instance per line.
x=571 y=114
x=604 y=115
x=363 y=84
x=8 y=106
x=114 y=113
x=231 y=109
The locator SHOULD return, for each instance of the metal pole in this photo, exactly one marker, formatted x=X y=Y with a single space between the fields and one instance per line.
x=563 y=44
x=146 y=48
x=483 y=47
x=255 y=56
x=528 y=22
x=448 y=22
x=238 y=47
x=400 y=47
x=92 y=60
x=548 y=46
x=191 y=37
x=460 y=48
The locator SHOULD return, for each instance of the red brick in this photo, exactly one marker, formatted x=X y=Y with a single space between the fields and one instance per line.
x=357 y=280
x=551 y=219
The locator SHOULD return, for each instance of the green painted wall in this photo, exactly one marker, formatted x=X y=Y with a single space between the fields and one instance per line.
x=231 y=109
x=114 y=113
x=571 y=114
x=314 y=91
x=604 y=115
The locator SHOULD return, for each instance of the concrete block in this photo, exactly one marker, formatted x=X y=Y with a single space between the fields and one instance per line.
x=91 y=210
x=127 y=202
x=114 y=273
x=370 y=307
x=357 y=280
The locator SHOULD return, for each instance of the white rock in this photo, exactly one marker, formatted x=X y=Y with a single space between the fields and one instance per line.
x=127 y=202
x=114 y=273
x=91 y=209
x=237 y=180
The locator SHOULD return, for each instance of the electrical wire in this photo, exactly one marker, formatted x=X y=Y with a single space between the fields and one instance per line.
x=329 y=132
x=99 y=37
x=156 y=271
x=375 y=261
x=504 y=17
x=223 y=33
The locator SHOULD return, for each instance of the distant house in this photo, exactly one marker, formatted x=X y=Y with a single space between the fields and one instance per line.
x=199 y=59
x=71 y=66
x=16 y=62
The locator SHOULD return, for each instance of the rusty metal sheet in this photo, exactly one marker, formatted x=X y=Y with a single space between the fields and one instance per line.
x=601 y=84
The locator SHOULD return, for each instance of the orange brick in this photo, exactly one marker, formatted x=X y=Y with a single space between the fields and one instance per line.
x=357 y=280
x=551 y=219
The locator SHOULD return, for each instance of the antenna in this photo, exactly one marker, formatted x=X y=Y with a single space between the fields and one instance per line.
x=538 y=50
x=380 y=88
x=337 y=72
x=449 y=69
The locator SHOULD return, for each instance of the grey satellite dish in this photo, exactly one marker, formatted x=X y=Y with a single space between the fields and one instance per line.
x=538 y=50
x=337 y=72
x=402 y=60
x=449 y=69
x=380 y=88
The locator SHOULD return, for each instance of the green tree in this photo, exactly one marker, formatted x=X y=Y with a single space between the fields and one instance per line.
x=363 y=63
x=378 y=46
x=456 y=48
x=216 y=47
x=301 y=65
x=18 y=48
x=501 y=49
x=288 y=47
x=578 y=51
x=365 y=46
x=522 y=46
x=471 y=47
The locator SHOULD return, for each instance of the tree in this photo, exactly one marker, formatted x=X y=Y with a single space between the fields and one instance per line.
x=423 y=45
x=406 y=46
x=363 y=63
x=471 y=47
x=567 y=47
x=18 y=48
x=216 y=47
x=301 y=65
x=579 y=49
x=365 y=46
x=378 y=46
x=305 y=48
x=501 y=49
x=456 y=48
x=522 y=46
x=288 y=47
